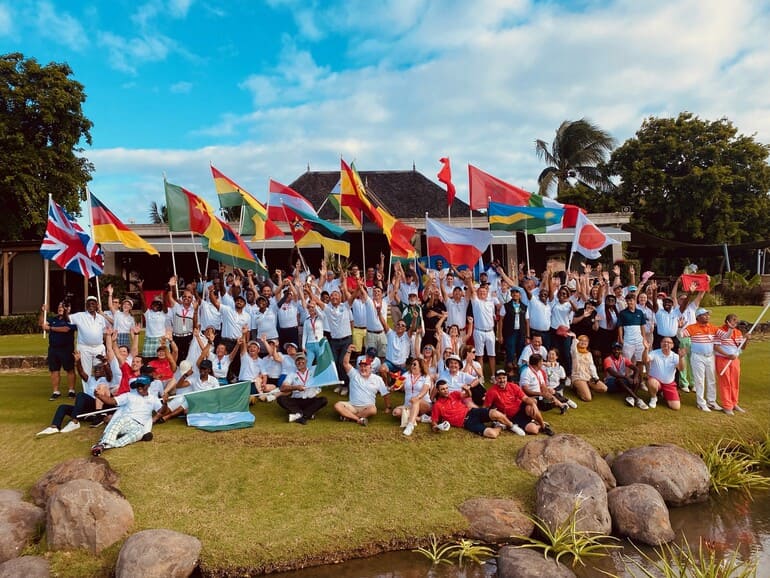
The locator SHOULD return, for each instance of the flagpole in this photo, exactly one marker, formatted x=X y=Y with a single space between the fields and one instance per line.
x=489 y=228
x=46 y=279
x=91 y=230
x=745 y=337
x=195 y=253
x=526 y=245
x=427 y=245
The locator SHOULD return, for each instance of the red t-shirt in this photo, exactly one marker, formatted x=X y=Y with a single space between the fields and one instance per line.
x=163 y=367
x=126 y=374
x=506 y=400
x=451 y=409
x=618 y=364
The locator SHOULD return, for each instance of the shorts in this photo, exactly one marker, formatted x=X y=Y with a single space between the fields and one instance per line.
x=358 y=338
x=669 y=391
x=60 y=359
x=356 y=409
x=484 y=341
x=392 y=367
x=377 y=340
x=612 y=384
x=633 y=351
x=521 y=418
x=476 y=420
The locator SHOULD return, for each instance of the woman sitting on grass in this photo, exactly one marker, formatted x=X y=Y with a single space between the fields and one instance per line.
x=584 y=378
x=417 y=396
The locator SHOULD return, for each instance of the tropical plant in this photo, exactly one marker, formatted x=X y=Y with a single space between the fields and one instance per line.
x=158 y=213
x=435 y=552
x=730 y=468
x=675 y=561
x=461 y=551
x=758 y=450
x=566 y=540
x=577 y=152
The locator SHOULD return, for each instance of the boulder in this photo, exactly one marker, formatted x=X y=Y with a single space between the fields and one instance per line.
x=495 y=520
x=561 y=487
x=19 y=523
x=27 y=566
x=515 y=562
x=679 y=476
x=96 y=469
x=158 y=554
x=639 y=512
x=84 y=514
x=537 y=455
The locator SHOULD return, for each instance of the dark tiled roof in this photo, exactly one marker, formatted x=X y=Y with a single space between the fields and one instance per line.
x=405 y=194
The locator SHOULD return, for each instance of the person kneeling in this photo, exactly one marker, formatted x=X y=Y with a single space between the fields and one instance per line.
x=134 y=418
x=449 y=409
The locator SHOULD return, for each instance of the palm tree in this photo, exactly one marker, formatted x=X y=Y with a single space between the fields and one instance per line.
x=577 y=151
x=158 y=213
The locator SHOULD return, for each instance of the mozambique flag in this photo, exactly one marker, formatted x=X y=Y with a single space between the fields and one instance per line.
x=255 y=221
x=352 y=215
x=353 y=195
x=230 y=249
x=532 y=219
x=221 y=408
x=109 y=229
x=309 y=229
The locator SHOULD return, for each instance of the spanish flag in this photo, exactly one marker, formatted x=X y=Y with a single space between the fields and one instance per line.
x=109 y=229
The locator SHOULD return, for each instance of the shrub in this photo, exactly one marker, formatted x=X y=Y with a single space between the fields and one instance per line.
x=19 y=324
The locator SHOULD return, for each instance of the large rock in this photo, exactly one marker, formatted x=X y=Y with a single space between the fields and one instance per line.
x=19 y=523
x=561 y=487
x=639 y=512
x=537 y=455
x=84 y=514
x=26 y=566
x=495 y=520
x=158 y=554
x=515 y=562
x=96 y=469
x=679 y=476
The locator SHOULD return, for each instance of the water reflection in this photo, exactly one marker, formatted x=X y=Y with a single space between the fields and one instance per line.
x=731 y=521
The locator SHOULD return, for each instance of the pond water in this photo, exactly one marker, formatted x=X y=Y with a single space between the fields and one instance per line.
x=725 y=523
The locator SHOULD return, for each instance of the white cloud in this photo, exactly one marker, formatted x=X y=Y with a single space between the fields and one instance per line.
x=126 y=53
x=60 y=27
x=181 y=87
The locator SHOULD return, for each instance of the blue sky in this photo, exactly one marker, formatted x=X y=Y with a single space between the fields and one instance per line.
x=262 y=89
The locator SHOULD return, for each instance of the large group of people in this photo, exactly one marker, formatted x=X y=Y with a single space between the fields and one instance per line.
x=488 y=352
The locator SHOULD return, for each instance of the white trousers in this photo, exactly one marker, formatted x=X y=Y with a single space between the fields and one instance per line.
x=703 y=377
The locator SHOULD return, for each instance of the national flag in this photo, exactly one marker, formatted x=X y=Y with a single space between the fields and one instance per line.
x=695 y=282
x=255 y=221
x=324 y=368
x=589 y=239
x=352 y=215
x=353 y=195
x=458 y=246
x=282 y=200
x=532 y=219
x=188 y=212
x=309 y=229
x=231 y=249
x=109 y=229
x=69 y=246
x=484 y=187
x=221 y=408
x=445 y=176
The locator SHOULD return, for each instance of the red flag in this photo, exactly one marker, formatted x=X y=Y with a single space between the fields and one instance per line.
x=699 y=282
x=445 y=176
x=589 y=239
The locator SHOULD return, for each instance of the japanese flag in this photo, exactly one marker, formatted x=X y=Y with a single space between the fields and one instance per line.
x=589 y=239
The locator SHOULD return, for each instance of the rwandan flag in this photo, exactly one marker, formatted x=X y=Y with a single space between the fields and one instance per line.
x=221 y=408
x=516 y=218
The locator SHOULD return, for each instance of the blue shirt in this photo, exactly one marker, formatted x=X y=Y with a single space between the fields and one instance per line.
x=59 y=340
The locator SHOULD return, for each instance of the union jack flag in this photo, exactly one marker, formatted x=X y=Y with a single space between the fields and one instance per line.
x=69 y=246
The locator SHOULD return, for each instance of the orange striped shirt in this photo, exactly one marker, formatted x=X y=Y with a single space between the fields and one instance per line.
x=702 y=337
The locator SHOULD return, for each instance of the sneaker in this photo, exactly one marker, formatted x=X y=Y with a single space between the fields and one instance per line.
x=344 y=392
x=71 y=393
x=147 y=437
x=630 y=401
x=685 y=389
x=96 y=450
x=641 y=405
x=294 y=417
x=729 y=412
x=48 y=431
x=572 y=404
x=547 y=430
x=499 y=425
x=54 y=396
x=714 y=406
x=95 y=424
x=739 y=409
x=653 y=403
x=363 y=421
x=301 y=421
x=338 y=389
x=71 y=426
x=269 y=398
x=703 y=408
x=563 y=409
x=425 y=418
x=517 y=430
x=444 y=426
x=409 y=429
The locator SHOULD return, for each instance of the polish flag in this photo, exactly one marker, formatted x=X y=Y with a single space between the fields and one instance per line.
x=458 y=246
x=589 y=239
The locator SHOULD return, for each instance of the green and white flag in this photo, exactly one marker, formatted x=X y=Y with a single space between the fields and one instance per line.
x=221 y=408
x=324 y=368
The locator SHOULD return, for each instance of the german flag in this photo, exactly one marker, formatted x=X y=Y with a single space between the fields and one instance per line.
x=109 y=229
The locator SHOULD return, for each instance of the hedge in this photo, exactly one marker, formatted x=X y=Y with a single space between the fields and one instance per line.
x=19 y=324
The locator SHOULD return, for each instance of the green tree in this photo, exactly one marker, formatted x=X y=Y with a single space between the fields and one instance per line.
x=577 y=153
x=693 y=180
x=158 y=213
x=42 y=126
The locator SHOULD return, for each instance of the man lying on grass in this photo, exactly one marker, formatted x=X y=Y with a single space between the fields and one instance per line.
x=133 y=420
x=449 y=409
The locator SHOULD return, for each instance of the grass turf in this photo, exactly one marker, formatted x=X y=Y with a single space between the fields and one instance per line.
x=280 y=495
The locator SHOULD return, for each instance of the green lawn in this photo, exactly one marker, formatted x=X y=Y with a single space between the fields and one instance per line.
x=279 y=493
